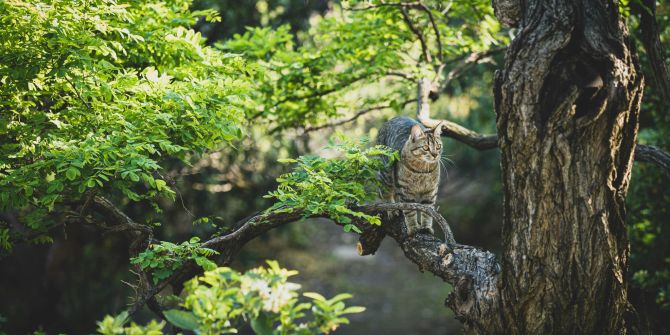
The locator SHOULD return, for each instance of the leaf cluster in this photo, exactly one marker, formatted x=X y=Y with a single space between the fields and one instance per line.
x=162 y=259
x=96 y=95
x=222 y=300
x=309 y=78
x=330 y=186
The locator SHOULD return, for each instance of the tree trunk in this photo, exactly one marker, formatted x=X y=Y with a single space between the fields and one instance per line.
x=567 y=105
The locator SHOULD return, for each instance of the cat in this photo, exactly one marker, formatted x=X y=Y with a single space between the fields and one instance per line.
x=416 y=176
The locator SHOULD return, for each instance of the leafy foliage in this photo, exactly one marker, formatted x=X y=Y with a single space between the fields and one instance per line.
x=330 y=186
x=95 y=97
x=164 y=258
x=350 y=49
x=115 y=326
x=221 y=300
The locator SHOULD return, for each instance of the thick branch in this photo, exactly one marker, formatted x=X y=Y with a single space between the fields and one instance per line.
x=462 y=134
x=471 y=271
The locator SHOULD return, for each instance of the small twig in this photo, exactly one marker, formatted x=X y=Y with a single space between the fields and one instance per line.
x=74 y=88
x=354 y=117
x=399 y=74
x=316 y=94
x=438 y=39
x=417 y=33
x=469 y=61
x=386 y=4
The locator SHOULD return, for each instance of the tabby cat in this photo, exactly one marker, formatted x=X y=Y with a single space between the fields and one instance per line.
x=415 y=177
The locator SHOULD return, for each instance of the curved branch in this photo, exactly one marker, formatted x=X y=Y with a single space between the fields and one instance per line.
x=354 y=117
x=652 y=154
x=386 y=4
x=139 y=234
x=649 y=32
x=469 y=61
x=472 y=272
x=140 y=237
x=317 y=94
x=436 y=30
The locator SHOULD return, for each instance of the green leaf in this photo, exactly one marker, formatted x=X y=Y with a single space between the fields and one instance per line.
x=353 y=309
x=262 y=325
x=350 y=227
x=71 y=173
x=182 y=319
x=160 y=184
x=340 y=297
x=314 y=296
x=205 y=263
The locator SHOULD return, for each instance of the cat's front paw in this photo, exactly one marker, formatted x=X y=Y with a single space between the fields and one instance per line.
x=412 y=230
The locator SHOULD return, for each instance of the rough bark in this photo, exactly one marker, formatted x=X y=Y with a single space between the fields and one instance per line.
x=567 y=105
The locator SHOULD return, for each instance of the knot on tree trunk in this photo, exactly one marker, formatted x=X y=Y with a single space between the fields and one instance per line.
x=475 y=297
x=508 y=12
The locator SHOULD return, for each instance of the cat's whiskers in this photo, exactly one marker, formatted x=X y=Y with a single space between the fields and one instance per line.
x=444 y=159
x=444 y=168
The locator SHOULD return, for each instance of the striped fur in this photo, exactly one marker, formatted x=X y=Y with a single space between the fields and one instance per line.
x=416 y=176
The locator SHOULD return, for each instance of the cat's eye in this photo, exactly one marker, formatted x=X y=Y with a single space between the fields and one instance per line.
x=425 y=147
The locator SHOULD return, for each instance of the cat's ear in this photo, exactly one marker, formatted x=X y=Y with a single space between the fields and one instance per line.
x=438 y=130
x=416 y=133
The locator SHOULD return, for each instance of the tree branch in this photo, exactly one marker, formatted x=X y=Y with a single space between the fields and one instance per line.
x=140 y=237
x=462 y=134
x=417 y=33
x=140 y=234
x=354 y=117
x=387 y=4
x=316 y=94
x=655 y=50
x=652 y=154
x=468 y=62
x=643 y=153
x=472 y=272
x=433 y=23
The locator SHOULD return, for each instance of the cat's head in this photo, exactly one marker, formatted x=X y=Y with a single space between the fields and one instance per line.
x=423 y=147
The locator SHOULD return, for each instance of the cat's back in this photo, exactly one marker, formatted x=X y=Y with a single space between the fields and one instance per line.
x=395 y=132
